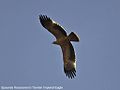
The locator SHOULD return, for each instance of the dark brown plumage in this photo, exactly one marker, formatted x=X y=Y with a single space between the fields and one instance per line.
x=64 y=41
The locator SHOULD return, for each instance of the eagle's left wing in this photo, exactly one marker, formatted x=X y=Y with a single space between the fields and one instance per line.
x=52 y=26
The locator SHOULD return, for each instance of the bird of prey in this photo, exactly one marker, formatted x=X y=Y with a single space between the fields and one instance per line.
x=64 y=41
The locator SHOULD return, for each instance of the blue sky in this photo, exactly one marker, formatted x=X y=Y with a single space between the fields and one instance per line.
x=28 y=57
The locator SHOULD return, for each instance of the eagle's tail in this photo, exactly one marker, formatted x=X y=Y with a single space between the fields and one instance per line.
x=73 y=37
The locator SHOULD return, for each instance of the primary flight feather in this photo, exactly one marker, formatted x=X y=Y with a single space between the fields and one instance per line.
x=64 y=41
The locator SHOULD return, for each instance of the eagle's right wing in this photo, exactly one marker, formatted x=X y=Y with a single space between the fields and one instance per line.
x=52 y=26
x=69 y=60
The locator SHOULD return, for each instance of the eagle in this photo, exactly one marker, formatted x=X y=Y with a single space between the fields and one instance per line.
x=64 y=41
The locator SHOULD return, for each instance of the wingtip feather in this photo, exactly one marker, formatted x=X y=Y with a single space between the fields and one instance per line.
x=70 y=73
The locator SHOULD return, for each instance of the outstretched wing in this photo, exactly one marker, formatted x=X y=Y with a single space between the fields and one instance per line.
x=69 y=60
x=52 y=26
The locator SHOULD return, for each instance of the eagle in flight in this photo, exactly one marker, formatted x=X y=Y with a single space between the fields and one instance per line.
x=64 y=41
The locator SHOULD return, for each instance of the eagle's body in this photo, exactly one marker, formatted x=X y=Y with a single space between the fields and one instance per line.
x=64 y=41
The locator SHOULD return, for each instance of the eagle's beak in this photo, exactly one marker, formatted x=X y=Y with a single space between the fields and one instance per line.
x=54 y=42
